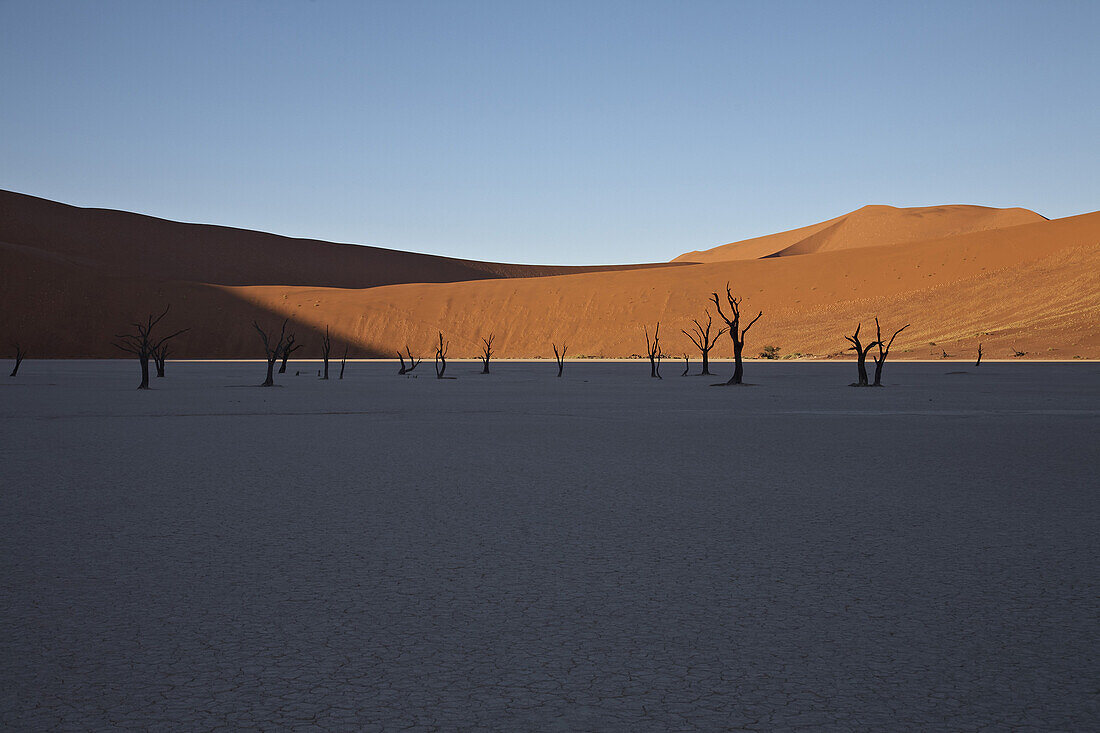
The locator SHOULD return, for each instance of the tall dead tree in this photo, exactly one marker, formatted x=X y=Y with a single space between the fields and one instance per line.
x=290 y=348
x=326 y=349
x=441 y=357
x=143 y=344
x=861 y=355
x=653 y=349
x=413 y=363
x=700 y=336
x=486 y=353
x=977 y=363
x=883 y=350
x=737 y=334
x=19 y=354
x=560 y=357
x=343 y=361
x=273 y=350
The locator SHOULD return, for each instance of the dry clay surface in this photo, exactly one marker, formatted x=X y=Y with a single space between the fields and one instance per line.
x=601 y=552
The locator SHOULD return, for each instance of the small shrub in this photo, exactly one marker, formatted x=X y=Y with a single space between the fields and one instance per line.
x=770 y=352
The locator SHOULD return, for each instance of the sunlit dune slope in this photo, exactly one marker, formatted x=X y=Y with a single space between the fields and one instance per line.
x=126 y=244
x=870 y=226
x=1033 y=287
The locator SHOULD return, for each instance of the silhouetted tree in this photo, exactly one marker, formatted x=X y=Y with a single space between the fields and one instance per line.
x=18 y=359
x=290 y=348
x=343 y=361
x=687 y=366
x=486 y=353
x=1016 y=352
x=979 y=361
x=737 y=334
x=273 y=351
x=326 y=349
x=653 y=348
x=700 y=336
x=861 y=354
x=441 y=357
x=413 y=363
x=560 y=357
x=883 y=351
x=143 y=345
x=160 y=355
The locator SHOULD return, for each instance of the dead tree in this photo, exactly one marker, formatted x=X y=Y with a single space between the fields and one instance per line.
x=883 y=350
x=653 y=348
x=687 y=366
x=413 y=363
x=326 y=349
x=441 y=357
x=486 y=353
x=700 y=336
x=291 y=347
x=861 y=354
x=737 y=334
x=343 y=361
x=19 y=354
x=160 y=355
x=560 y=357
x=979 y=361
x=1017 y=353
x=273 y=351
x=143 y=345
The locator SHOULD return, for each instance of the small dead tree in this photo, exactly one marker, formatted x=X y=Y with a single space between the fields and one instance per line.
x=413 y=363
x=861 y=355
x=19 y=354
x=143 y=345
x=979 y=361
x=160 y=355
x=560 y=357
x=441 y=357
x=273 y=350
x=343 y=361
x=700 y=336
x=653 y=348
x=486 y=353
x=883 y=350
x=326 y=349
x=290 y=348
x=687 y=366
x=737 y=334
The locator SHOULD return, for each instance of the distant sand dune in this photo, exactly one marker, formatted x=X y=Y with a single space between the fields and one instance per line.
x=72 y=278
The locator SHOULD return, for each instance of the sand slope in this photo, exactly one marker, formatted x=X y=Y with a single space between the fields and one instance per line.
x=869 y=226
x=1034 y=287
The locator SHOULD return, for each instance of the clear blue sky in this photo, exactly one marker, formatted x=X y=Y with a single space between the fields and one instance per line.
x=553 y=132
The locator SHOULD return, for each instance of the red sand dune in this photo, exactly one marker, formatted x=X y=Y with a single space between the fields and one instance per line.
x=871 y=226
x=73 y=277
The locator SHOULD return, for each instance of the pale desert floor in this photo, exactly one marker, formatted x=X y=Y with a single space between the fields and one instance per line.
x=515 y=552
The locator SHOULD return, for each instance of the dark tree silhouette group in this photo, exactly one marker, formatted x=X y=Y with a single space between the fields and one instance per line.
x=144 y=345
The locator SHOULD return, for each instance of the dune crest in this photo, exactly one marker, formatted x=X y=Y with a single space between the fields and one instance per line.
x=870 y=226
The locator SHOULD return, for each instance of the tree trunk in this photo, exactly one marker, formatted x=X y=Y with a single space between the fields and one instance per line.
x=18 y=361
x=485 y=367
x=652 y=367
x=282 y=367
x=326 y=368
x=270 y=381
x=144 y=372
x=738 y=368
x=878 y=371
x=159 y=362
x=706 y=363
x=861 y=365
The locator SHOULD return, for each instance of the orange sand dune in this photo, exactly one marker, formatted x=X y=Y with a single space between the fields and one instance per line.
x=1035 y=287
x=65 y=291
x=870 y=226
x=122 y=243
